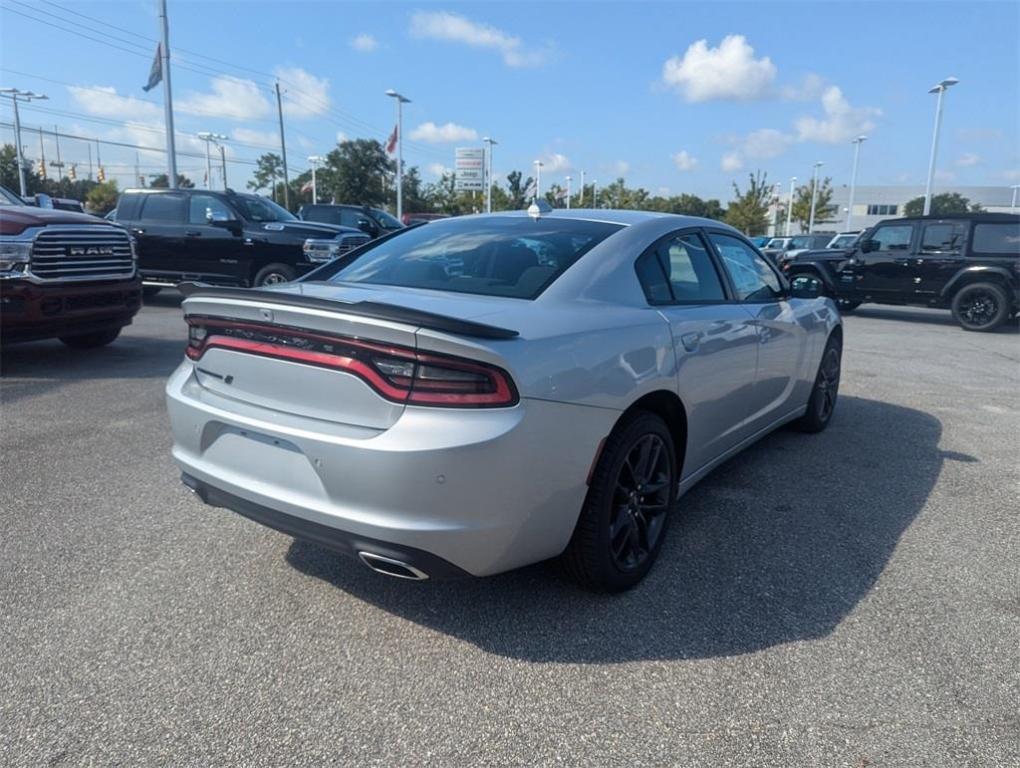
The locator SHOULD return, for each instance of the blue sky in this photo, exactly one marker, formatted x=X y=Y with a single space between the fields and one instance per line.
x=684 y=97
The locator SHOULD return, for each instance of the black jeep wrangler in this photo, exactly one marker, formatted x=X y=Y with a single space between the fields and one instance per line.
x=224 y=238
x=968 y=263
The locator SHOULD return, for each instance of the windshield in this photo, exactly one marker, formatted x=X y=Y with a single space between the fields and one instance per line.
x=504 y=256
x=386 y=221
x=776 y=242
x=261 y=209
x=843 y=241
x=9 y=198
x=804 y=241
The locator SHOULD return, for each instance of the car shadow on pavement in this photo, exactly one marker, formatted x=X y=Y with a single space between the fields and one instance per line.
x=930 y=317
x=777 y=545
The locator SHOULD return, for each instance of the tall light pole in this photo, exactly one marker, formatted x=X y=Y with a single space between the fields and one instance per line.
x=776 y=189
x=315 y=160
x=212 y=138
x=283 y=147
x=789 y=205
x=538 y=178
x=568 y=192
x=168 y=104
x=814 y=197
x=594 y=193
x=15 y=96
x=853 y=180
x=940 y=89
x=580 y=199
x=488 y=172
x=1012 y=204
x=401 y=101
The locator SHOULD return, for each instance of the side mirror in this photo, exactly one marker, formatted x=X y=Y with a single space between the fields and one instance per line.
x=805 y=287
x=866 y=246
x=368 y=227
x=230 y=224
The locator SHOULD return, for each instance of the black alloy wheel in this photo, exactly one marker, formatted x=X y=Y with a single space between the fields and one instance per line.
x=825 y=392
x=640 y=502
x=980 y=307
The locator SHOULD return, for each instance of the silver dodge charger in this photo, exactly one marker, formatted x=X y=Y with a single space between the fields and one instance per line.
x=480 y=393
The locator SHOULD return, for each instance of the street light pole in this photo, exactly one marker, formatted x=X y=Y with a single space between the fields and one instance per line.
x=814 y=197
x=594 y=193
x=853 y=180
x=568 y=192
x=580 y=198
x=315 y=160
x=168 y=105
x=15 y=96
x=223 y=164
x=1012 y=204
x=776 y=189
x=538 y=178
x=489 y=172
x=940 y=89
x=401 y=101
x=789 y=205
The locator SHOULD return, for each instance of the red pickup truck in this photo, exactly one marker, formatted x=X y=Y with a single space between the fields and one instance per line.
x=64 y=275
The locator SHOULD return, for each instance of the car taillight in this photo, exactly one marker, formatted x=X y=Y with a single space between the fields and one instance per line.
x=398 y=373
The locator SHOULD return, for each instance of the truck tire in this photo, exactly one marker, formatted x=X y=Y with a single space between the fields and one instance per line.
x=272 y=274
x=980 y=307
x=91 y=340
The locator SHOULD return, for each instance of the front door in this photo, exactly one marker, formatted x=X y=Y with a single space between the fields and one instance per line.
x=939 y=257
x=885 y=271
x=158 y=232
x=216 y=253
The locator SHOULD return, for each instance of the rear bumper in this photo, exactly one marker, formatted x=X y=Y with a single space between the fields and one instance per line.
x=473 y=491
x=31 y=311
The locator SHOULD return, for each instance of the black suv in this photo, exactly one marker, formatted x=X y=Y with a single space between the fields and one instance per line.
x=224 y=238
x=969 y=263
x=374 y=222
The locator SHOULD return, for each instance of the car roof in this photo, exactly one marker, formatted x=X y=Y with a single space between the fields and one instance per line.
x=614 y=216
x=1009 y=218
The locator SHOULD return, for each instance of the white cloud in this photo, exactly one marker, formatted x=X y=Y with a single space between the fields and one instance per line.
x=622 y=167
x=103 y=100
x=765 y=144
x=556 y=163
x=249 y=136
x=810 y=87
x=231 y=97
x=841 y=123
x=438 y=170
x=364 y=43
x=454 y=28
x=731 y=161
x=684 y=161
x=968 y=159
x=439 y=134
x=305 y=94
x=729 y=72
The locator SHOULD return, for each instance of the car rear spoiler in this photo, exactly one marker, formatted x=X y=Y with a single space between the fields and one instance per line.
x=362 y=308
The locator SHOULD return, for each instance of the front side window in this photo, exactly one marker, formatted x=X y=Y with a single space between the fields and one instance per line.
x=942 y=238
x=753 y=279
x=515 y=257
x=163 y=208
x=893 y=238
x=997 y=238
x=385 y=220
x=202 y=207
x=260 y=210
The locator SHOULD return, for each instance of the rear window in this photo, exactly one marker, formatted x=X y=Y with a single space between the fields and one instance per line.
x=505 y=256
x=997 y=238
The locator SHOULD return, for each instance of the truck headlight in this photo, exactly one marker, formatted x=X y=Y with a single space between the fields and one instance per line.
x=14 y=255
x=320 y=251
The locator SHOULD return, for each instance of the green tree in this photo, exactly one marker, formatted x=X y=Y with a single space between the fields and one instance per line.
x=824 y=210
x=942 y=204
x=9 y=172
x=750 y=209
x=162 y=182
x=415 y=200
x=355 y=173
x=268 y=169
x=102 y=198
x=517 y=188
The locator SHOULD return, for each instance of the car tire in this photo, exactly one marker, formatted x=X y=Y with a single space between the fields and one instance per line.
x=91 y=340
x=272 y=274
x=980 y=307
x=148 y=291
x=846 y=306
x=620 y=530
x=824 y=394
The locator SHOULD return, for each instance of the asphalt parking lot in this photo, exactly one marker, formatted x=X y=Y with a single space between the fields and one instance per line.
x=849 y=598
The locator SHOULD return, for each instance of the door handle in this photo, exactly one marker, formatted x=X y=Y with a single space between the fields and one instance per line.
x=691 y=341
x=904 y=262
x=138 y=231
x=193 y=233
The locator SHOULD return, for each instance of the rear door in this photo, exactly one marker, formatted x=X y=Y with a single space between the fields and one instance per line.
x=939 y=256
x=781 y=339
x=216 y=253
x=159 y=232
x=886 y=271
x=714 y=339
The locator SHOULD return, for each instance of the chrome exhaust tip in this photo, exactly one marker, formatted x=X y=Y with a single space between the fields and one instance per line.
x=390 y=567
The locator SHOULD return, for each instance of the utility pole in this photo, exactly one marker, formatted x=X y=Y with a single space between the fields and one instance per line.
x=15 y=96
x=59 y=165
x=814 y=197
x=138 y=175
x=568 y=192
x=314 y=160
x=168 y=103
x=223 y=165
x=283 y=147
x=789 y=205
x=401 y=101
x=940 y=89
x=89 y=147
x=488 y=172
x=853 y=180
x=213 y=138
x=42 y=157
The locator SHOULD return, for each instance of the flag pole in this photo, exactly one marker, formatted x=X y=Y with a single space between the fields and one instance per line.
x=168 y=97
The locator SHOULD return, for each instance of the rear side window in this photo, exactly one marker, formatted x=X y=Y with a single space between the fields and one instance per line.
x=943 y=238
x=685 y=270
x=505 y=256
x=161 y=208
x=753 y=278
x=127 y=207
x=997 y=238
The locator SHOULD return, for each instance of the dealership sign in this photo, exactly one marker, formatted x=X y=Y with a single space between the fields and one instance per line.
x=469 y=169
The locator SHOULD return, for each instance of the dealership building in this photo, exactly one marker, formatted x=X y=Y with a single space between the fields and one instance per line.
x=873 y=204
